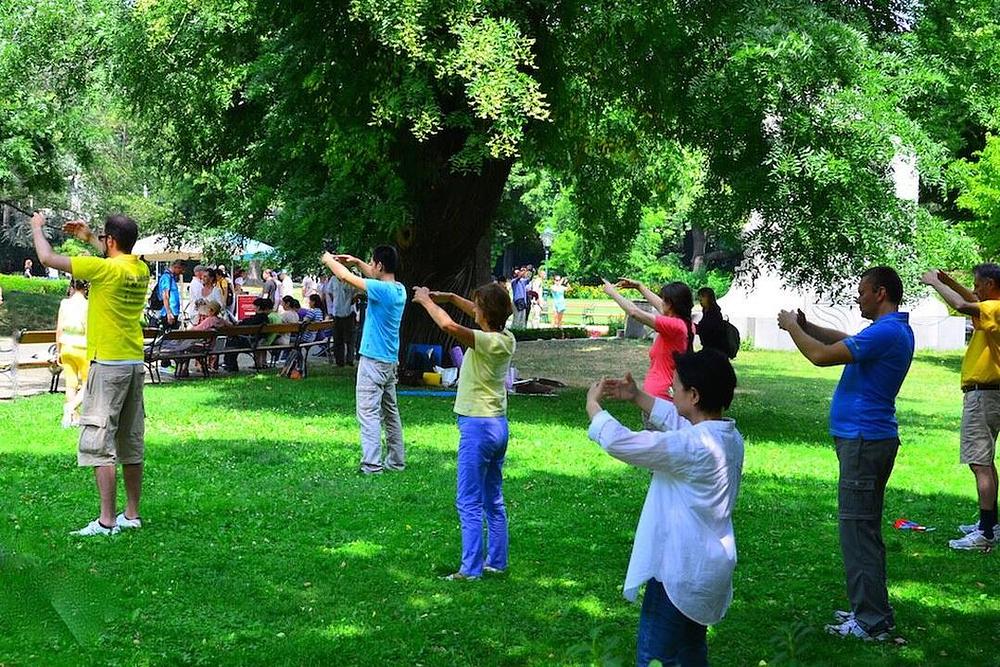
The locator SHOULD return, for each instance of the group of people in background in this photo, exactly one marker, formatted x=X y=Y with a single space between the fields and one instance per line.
x=532 y=293
x=684 y=551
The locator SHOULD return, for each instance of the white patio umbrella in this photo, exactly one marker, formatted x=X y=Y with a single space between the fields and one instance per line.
x=158 y=248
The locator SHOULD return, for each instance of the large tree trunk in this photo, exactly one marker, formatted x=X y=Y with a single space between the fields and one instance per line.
x=448 y=246
x=698 y=243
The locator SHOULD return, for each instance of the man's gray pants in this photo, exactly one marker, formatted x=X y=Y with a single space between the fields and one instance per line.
x=865 y=466
x=520 y=319
x=375 y=394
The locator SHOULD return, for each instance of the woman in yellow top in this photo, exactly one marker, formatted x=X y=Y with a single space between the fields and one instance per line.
x=71 y=349
x=481 y=406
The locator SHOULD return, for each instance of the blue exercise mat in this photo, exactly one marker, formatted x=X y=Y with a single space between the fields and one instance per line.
x=424 y=392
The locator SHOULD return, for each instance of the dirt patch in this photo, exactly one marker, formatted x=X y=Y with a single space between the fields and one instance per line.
x=580 y=362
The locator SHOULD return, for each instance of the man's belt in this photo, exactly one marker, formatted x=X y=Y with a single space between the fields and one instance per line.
x=980 y=387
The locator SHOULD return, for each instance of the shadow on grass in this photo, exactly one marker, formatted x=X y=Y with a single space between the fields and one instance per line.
x=264 y=553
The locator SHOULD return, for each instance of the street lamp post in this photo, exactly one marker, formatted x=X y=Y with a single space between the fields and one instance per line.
x=547 y=237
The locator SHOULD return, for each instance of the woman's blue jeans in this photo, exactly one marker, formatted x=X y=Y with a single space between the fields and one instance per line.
x=666 y=634
x=482 y=446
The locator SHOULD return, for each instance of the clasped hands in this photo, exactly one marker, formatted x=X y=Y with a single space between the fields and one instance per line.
x=789 y=318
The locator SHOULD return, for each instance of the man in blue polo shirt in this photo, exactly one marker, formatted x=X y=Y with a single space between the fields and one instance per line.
x=170 y=295
x=864 y=429
x=375 y=387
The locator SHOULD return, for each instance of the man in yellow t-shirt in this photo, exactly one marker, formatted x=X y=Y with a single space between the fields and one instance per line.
x=981 y=386
x=113 y=416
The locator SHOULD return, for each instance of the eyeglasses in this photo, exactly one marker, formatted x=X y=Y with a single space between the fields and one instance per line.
x=101 y=237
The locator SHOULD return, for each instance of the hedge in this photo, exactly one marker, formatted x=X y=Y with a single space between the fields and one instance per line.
x=13 y=283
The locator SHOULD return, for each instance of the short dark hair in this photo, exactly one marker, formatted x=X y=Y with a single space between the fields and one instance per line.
x=78 y=285
x=263 y=303
x=288 y=298
x=123 y=230
x=884 y=276
x=710 y=372
x=294 y=303
x=988 y=271
x=387 y=256
x=494 y=301
x=316 y=301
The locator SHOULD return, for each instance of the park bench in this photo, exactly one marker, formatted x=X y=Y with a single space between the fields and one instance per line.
x=302 y=348
x=199 y=347
x=12 y=361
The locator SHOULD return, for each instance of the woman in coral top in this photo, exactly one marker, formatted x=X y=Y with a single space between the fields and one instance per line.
x=672 y=323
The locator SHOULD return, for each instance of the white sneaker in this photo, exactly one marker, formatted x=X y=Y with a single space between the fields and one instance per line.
x=971 y=527
x=123 y=523
x=974 y=541
x=850 y=628
x=842 y=616
x=95 y=528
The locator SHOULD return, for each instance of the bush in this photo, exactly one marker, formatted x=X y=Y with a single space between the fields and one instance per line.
x=586 y=292
x=11 y=283
x=665 y=270
x=549 y=334
x=24 y=310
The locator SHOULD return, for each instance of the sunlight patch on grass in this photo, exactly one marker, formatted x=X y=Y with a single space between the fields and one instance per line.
x=560 y=583
x=343 y=631
x=356 y=549
x=591 y=606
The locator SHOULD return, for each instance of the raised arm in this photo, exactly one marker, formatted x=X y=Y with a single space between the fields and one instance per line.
x=825 y=336
x=81 y=231
x=956 y=296
x=350 y=260
x=626 y=389
x=342 y=273
x=463 y=335
x=632 y=310
x=813 y=349
x=459 y=302
x=646 y=449
x=44 y=249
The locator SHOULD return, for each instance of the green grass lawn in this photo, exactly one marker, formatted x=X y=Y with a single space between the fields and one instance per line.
x=263 y=546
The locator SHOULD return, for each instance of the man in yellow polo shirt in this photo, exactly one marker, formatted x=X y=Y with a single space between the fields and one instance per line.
x=113 y=417
x=981 y=386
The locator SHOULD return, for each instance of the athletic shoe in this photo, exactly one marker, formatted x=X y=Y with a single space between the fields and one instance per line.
x=842 y=616
x=971 y=527
x=850 y=628
x=974 y=541
x=458 y=576
x=95 y=528
x=489 y=569
x=127 y=524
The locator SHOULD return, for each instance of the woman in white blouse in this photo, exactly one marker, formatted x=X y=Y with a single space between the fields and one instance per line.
x=684 y=549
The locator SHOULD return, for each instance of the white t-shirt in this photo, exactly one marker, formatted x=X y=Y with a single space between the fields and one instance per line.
x=195 y=288
x=685 y=533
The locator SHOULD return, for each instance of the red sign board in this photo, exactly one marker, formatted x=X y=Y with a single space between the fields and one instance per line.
x=244 y=306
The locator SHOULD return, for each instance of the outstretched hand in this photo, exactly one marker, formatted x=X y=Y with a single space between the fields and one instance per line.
x=596 y=391
x=788 y=319
x=624 y=389
x=628 y=283
x=931 y=277
x=609 y=289
x=421 y=295
x=75 y=228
